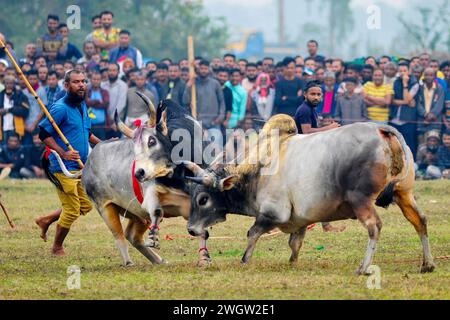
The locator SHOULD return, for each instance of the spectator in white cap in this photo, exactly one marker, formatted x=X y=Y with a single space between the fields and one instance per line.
x=427 y=157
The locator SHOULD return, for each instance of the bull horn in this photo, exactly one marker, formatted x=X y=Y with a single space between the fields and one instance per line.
x=151 y=108
x=122 y=126
x=195 y=168
x=198 y=180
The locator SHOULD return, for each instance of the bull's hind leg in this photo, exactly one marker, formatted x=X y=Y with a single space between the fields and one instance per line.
x=135 y=234
x=407 y=203
x=111 y=215
x=368 y=217
x=295 y=242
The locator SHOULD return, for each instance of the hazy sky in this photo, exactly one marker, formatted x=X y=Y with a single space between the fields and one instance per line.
x=263 y=15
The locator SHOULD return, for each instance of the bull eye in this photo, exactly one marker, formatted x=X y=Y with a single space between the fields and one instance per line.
x=151 y=142
x=203 y=200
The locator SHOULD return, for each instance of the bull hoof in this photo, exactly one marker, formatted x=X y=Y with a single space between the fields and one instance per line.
x=427 y=267
x=150 y=243
x=204 y=262
x=362 y=272
x=292 y=261
x=128 y=264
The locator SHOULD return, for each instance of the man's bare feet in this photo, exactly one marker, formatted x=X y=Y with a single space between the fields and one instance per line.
x=58 y=251
x=329 y=228
x=43 y=224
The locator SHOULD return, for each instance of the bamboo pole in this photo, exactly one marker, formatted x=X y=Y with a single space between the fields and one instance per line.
x=5 y=211
x=190 y=42
x=44 y=109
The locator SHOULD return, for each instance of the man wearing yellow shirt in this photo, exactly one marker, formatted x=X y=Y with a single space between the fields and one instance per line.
x=106 y=37
x=378 y=97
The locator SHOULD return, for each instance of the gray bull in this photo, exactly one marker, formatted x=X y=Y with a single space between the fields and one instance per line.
x=329 y=176
x=107 y=179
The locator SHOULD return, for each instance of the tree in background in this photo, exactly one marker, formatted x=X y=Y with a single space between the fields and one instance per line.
x=159 y=28
x=340 y=22
x=332 y=32
x=430 y=30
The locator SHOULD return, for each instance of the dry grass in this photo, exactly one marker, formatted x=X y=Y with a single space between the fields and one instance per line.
x=27 y=270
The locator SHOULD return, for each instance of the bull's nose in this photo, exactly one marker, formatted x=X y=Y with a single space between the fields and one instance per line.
x=140 y=174
x=191 y=232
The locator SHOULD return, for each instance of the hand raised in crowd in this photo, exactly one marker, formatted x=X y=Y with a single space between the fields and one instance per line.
x=405 y=79
x=429 y=118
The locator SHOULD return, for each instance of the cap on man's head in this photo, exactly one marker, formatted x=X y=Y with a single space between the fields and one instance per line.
x=9 y=78
x=329 y=74
x=4 y=62
x=433 y=134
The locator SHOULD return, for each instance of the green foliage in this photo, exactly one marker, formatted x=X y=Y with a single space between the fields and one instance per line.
x=159 y=28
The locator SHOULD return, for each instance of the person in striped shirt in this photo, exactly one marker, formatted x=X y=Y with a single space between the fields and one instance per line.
x=378 y=97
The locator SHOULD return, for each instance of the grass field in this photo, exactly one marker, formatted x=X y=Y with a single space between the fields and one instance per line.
x=325 y=269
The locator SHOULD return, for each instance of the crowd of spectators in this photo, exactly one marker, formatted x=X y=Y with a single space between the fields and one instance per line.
x=410 y=93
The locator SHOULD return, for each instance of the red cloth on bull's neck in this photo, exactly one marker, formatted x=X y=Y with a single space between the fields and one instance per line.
x=136 y=185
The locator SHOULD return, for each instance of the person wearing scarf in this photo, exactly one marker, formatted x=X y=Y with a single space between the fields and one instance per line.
x=264 y=96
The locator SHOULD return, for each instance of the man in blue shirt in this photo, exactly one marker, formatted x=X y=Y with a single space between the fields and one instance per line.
x=307 y=122
x=70 y=114
x=306 y=116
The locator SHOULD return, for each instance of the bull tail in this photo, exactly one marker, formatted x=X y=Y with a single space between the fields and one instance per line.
x=64 y=169
x=50 y=176
x=386 y=197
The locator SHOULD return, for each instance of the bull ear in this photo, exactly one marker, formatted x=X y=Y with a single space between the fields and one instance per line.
x=159 y=111
x=161 y=116
x=228 y=183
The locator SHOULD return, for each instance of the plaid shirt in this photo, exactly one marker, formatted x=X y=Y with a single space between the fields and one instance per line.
x=51 y=95
x=443 y=157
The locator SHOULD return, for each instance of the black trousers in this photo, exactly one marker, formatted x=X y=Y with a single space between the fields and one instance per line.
x=409 y=132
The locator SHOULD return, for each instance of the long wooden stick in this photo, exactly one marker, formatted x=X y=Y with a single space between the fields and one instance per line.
x=5 y=211
x=44 y=109
x=192 y=75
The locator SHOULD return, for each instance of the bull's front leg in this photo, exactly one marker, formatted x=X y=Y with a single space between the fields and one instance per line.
x=153 y=234
x=262 y=225
x=295 y=242
x=204 y=258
